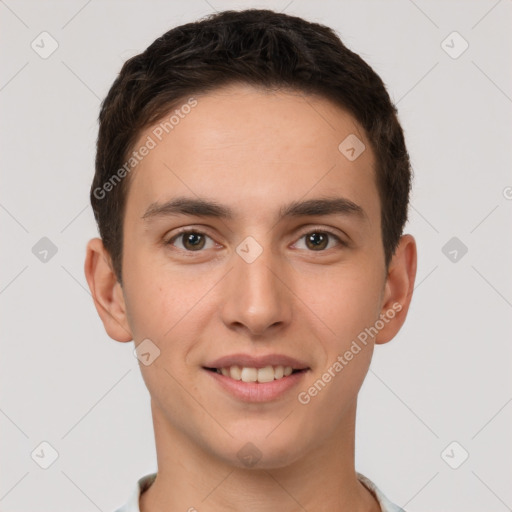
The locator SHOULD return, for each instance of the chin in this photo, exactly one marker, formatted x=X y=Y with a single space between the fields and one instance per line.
x=258 y=450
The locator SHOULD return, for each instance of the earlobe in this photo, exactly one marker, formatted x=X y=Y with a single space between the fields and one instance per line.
x=398 y=289
x=106 y=291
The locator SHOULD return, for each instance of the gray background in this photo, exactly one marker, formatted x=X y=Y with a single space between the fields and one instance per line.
x=445 y=377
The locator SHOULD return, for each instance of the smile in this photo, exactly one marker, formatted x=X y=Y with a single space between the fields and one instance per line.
x=243 y=382
x=248 y=374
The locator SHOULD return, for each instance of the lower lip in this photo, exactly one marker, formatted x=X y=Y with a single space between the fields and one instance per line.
x=256 y=391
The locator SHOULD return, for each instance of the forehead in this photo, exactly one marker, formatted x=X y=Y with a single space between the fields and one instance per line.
x=253 y=149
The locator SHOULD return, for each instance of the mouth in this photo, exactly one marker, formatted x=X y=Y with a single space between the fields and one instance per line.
x=259 y=375
x=256 y=379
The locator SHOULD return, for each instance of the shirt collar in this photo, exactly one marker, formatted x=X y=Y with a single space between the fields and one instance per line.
x=132 y=505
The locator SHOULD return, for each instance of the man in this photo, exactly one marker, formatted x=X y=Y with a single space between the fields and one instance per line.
x=251 y=191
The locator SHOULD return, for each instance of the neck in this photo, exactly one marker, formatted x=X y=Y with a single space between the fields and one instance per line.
x=191 y=478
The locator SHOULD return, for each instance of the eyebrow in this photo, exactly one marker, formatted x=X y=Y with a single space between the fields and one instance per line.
x=205 y=208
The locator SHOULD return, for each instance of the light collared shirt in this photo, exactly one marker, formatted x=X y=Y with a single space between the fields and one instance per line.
x=132 y=505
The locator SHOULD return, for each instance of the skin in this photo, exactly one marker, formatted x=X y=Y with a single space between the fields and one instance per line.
x=254 y=151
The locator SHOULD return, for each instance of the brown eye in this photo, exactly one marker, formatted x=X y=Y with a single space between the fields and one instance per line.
x=191 y=241
x=319 y=241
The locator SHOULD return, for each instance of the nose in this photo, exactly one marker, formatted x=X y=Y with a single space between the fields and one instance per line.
x=257 y=295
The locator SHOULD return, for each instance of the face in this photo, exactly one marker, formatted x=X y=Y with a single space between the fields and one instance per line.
x=281 y=265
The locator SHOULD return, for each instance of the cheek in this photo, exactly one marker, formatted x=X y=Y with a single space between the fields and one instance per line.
x=347 y=307
x=169 y=308
x=345 y=300
x=151 y=307
x=154 y=294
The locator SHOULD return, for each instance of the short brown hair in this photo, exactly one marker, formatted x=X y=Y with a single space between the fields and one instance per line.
x=257 y=47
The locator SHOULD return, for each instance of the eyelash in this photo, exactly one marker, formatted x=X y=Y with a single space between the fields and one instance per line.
x=186 y=231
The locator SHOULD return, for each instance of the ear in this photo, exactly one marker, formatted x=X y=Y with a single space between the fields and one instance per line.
x=398 y=289
x=106 y=291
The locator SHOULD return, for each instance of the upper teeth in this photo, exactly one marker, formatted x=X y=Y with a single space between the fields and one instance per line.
x=245 y=374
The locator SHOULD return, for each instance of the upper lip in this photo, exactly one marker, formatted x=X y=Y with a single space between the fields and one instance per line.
x=248 y=361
